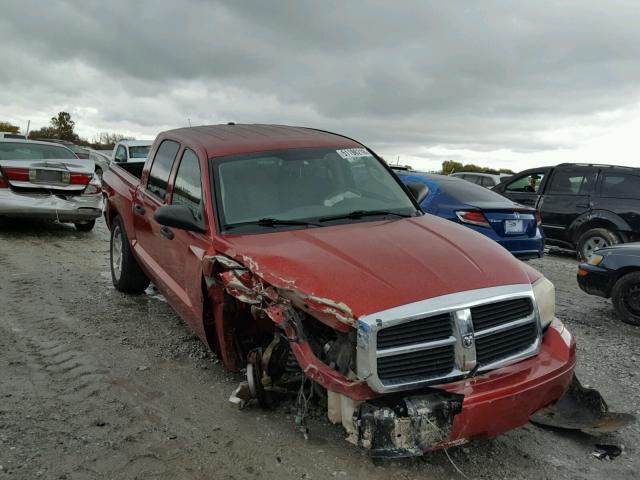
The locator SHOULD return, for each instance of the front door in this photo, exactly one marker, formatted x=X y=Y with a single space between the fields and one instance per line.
x=525 y=188
x=149 y=197
x=567 y=197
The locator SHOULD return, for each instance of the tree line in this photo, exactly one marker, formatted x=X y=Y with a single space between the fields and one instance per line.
x=62 y=127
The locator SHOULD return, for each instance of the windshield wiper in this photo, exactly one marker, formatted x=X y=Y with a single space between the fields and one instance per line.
x=363 y=213
x=272 y=222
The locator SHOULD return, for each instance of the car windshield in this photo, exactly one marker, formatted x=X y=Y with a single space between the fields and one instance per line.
x=33 y=151
x=307 y=184
x=140 y=151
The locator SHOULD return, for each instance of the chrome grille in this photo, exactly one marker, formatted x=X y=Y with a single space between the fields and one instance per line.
x=442 y=339
x=417 y=331
x=423 y=363
x=487 y=316
x=505 y=343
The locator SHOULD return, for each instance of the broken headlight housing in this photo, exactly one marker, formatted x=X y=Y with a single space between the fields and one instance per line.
x=545 y=295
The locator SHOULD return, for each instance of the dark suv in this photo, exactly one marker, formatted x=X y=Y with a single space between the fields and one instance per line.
x=583 y=207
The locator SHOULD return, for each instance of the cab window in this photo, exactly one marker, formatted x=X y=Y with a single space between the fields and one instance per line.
x=620 y=185
x=571 y=182
x=528 y=184
x=161 y=168
x=121 y=154
x=187 y=189
x=487 y=182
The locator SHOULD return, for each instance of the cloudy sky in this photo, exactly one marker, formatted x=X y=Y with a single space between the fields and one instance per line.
x=503 y=84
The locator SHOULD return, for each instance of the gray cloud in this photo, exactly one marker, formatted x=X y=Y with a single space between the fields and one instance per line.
x=402 y=75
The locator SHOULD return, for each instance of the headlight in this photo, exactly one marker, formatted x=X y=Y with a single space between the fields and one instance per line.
x=545 y=295
x=595 y=259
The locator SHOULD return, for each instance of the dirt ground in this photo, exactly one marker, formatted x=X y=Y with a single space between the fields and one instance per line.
x=98 y=384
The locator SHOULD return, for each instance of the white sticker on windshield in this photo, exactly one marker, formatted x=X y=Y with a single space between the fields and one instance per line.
x=353 y=152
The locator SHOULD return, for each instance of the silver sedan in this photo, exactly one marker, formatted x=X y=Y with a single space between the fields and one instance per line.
x=45 y=180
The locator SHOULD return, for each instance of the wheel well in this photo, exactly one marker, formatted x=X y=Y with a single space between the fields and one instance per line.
x=594 y=223
x=110 y=214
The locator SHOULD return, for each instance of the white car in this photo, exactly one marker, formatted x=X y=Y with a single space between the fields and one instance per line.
x=488 y=180
x=131 y=151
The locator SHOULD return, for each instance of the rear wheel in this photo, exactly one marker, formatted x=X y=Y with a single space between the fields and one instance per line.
x=594 y=239
x=126 y=274
x=85 y=226
x=626 y=298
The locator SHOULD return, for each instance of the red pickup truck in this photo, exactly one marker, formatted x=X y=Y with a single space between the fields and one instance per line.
x=299 y=255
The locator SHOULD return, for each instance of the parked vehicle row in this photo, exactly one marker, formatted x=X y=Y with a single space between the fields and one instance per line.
x=298 y=253
x=511 y=225
x=582 y=207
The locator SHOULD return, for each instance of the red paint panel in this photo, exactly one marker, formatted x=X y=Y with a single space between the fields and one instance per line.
x=505 y=398
x=373 y=266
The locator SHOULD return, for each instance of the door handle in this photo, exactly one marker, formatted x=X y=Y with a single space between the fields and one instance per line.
x=138 y=209
x=166 y=232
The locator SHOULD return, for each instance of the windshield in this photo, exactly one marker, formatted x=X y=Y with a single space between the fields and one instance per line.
x=33 y=151
x=306 y=184
x=140 y=151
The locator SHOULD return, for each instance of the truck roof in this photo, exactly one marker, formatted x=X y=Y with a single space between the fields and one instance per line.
x=231 y=139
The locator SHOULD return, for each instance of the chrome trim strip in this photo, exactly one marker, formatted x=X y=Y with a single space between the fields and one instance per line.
x=415 y=347
x=465 y=351
x=506 y=326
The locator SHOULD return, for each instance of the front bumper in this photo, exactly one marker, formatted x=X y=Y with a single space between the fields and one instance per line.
x=494 y=403
x=595 y=280
x=65 y=208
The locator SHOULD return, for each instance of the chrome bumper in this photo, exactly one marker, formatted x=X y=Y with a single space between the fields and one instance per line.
x=65 y=208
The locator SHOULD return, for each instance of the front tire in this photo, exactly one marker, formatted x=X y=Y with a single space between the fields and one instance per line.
x=126 y=274
x=85 y=226
x=626 y=298
x=594 y=239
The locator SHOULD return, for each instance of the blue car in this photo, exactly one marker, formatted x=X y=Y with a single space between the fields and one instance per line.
x=514 y=226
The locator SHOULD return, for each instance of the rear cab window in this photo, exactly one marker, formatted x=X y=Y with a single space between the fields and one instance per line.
x=161 y=168
x=572 y=181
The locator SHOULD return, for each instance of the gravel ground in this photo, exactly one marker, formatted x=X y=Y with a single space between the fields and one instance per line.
x=98 y=384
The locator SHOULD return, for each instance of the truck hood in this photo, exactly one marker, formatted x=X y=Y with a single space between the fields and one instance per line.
x=372 y=266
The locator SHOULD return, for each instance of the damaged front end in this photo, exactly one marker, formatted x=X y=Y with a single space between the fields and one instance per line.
x=285 y=337
x=396 y=427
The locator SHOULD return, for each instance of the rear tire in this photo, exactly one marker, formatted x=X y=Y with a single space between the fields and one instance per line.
x=85 y=226
x=626 y=298
x=593 y=239
x=126 y=274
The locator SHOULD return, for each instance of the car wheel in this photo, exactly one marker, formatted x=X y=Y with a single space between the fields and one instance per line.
x=626 y=298
x=126 y=274
x=594 y=239
x=85 y=226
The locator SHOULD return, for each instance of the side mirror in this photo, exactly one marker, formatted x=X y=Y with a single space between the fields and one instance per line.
x=178 y=216
x=418 y=190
